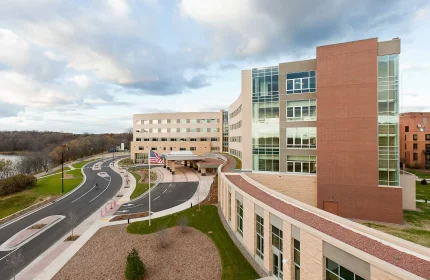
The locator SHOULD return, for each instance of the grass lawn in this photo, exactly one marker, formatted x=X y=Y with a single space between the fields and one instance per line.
x=140 y=187
x=66 y=168
x=45 y=187
x=419 y=229
x=125 y=162
x=420 y=173
x=234 y=264
x=423 y=191
x=82 y=163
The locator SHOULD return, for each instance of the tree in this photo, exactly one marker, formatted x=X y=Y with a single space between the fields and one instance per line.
x=163 y=237
x=183 y=223
x=14 y=260
x=71 y=221
x=134 y=269
x=129 y=134
x=6 y=168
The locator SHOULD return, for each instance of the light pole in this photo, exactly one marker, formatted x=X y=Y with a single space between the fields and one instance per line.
x=64 y=147
x=113 y=157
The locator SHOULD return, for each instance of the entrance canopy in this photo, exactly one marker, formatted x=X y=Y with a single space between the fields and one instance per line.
x=181 y=156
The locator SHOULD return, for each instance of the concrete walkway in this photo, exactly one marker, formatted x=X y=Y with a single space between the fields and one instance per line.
x=51 y=265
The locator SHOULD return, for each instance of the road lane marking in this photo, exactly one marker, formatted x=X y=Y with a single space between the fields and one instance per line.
x=165 y=190
x=157 y=198
x=84 y=193
x=110 y=179
x=9 y=253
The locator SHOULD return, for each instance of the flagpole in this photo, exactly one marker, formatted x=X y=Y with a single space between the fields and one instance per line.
x=149 y=180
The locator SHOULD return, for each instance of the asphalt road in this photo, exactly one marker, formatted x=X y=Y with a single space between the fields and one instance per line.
x=83 y=202
x=163 y=196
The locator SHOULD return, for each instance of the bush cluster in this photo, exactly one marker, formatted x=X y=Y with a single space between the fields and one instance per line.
x=134 y=269
x=16 y=183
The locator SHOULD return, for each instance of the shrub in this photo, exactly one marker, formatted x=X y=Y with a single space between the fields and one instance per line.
x=423 y=182
x=415 y=165
x=16 y=183
x=163 y=237
x=183 y=223
x=134 y=269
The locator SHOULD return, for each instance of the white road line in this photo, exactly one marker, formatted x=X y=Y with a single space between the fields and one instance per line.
x=157 y=198
x=135 y=206
x=9 y=253
x=170 y=185
x=165 y=190
x=84 y=193
x=110 y=179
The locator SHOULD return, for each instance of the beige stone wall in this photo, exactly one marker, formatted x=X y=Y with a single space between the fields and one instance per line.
x=300 y=187
x=249 y=226
x=267 y=242
x=407 y=182
x=311 y=257
x=233 y=211
x=379 y=274
x=287 y=250
x=164 y=147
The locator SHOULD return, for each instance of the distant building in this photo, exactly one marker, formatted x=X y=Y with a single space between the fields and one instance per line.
x=415 y=139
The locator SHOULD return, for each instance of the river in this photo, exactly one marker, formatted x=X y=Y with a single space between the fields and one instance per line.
x=13 y=158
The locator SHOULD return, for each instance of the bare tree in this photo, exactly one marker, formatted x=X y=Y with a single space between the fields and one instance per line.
x=183 y=223
x=14 y=260
x=71 y=221
x=129 y=134
x=163 y=236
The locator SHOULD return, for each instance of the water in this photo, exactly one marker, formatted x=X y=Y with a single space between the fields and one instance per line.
x=13 y=158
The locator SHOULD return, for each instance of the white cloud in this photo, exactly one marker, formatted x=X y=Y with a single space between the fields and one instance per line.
x=13 y=49
x=51 y=55
x=119 y=7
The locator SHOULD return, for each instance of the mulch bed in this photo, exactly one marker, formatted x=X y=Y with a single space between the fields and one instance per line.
x=128 y=216
x=190 y=255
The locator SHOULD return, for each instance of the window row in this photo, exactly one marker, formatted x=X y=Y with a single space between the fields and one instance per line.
x=334 y=271
x=236 y=112
x=170 y=130
x=302 y=82
x=301 y=110
x=212 y=139
x=236 y=153
x=302 y=164
x=236 y=139
x=302 y=137
x=166 y=121
x=236 y=125
x=168 y=148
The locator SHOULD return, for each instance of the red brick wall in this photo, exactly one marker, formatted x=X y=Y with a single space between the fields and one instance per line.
x=412 y=120
x=347 y=133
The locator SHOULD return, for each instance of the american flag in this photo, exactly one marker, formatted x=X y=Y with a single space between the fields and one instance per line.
x=154 y=158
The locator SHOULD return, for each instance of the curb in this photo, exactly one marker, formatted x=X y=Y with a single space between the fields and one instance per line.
x=47 y=204
x=156 y=184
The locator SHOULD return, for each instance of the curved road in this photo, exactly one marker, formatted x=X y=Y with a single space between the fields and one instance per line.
x=83 y=202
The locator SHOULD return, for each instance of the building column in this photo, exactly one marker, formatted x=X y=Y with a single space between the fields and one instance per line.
x=185 y=163
x=173 y=167
x=165 y=163
x=287 y=250
x=195 y=166
x=267 y=229
x=203 y=171
x=311 y=256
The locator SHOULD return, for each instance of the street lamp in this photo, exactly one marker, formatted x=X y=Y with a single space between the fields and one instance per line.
x=64 y=147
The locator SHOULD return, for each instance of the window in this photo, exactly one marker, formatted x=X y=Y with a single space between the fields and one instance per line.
x=301 y=137
x=229 y=206
x=193 y=121
x=163 y=130
x=415 y=156
x=145 y=139
x=214 y=149
x=193 y=139
x=239 y=220
x=163 y=121
x=301 y=164
x=194 y=130
x=154 y=139
x=296 y=259
x=173 y=139
x=415 y=146
x=259 y=224
x=301 y=110
x=214 y=129
x=141 y=148
x=154 y=148
x=212 y=120
x=333 y=271
x=214 y=139
x=415 y=137
x=192 y=148
x=163 y=139
x=301 y=82
x=203 y=139
x=427 y=137
x=236 y=112
x=155 y=121
x=278 y=268
x=182 y=130
x=182 y=139
x=138 y=139
x=427 y=147
x=407 y=129
x=182 y=121
x=182 y=149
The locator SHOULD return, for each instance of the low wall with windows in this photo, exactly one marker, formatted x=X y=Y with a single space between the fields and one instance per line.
x=288 y=238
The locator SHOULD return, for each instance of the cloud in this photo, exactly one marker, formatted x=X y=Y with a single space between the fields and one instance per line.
x=228 y=66
x=9 y=110
x=119 y=7
x=255 y=29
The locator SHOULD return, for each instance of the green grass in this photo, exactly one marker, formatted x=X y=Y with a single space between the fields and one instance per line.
x=15 y=202
x=418 y=230
x=420 y=173
x=82 y=163
x=234 y=264
x=66 y=168
x=45 y=187
x=140 y=187
x=125 y=162
x=423 y=191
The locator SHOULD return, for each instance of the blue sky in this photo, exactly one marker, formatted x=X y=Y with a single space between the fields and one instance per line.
x=88 y=66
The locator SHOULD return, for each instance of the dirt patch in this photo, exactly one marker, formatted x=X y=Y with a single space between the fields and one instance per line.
x=72 y=237
x=190 y=255
x=213 y=193
x=68 y=176
x=37 y=226
x=128 y=216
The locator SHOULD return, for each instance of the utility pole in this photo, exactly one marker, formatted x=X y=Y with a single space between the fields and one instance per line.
x=62 y=171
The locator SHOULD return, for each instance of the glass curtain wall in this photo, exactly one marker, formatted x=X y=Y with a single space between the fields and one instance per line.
x=225 y=131
x=265 y=119
x=388 y=120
